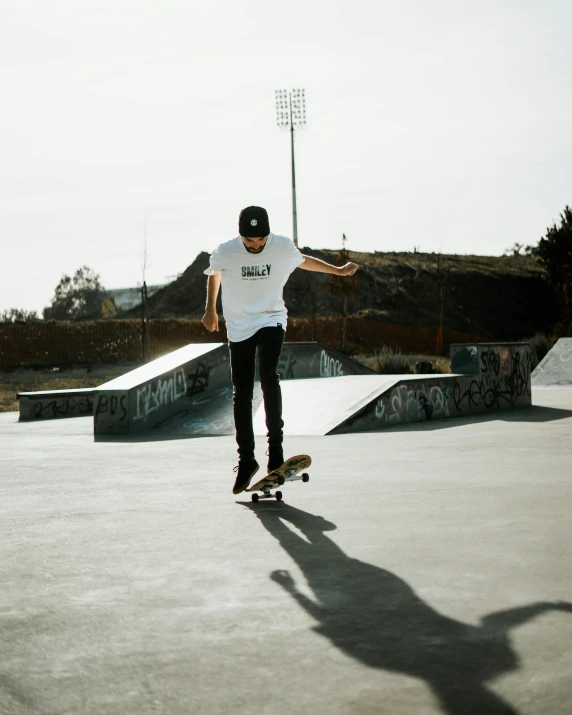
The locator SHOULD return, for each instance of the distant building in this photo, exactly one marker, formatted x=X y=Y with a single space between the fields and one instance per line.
x=127 y=298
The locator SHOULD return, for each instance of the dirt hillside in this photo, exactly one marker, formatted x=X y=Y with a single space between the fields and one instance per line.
x=498 y=297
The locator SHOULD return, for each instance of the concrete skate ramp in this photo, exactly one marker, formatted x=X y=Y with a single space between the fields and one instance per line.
x=134 y=402
x=318 y=406
x=494 y=377
x=208 y=414
x=491 y=377
x=307 y=360
x=313 y=406
x=189 y=391
x=373 y=403
x=556 y=367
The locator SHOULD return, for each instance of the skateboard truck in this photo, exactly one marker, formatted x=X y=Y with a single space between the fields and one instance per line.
x=291 y=475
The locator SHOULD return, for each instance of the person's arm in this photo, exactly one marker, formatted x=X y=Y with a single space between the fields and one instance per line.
x=210 y=318
x=315 y=264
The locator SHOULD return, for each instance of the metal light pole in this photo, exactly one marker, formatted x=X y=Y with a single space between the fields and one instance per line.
x=291 y=114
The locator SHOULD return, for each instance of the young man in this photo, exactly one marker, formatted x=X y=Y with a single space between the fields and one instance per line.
x=253 y=269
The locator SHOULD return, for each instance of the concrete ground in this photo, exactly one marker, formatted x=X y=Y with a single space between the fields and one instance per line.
x=424 y=569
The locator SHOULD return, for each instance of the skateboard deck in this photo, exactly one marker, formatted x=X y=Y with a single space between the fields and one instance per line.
x=288 y=472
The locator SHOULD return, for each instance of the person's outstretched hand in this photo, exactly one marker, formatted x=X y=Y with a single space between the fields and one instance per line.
x=349 y=269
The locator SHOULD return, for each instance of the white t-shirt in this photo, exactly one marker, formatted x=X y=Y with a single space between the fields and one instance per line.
x=252 y=284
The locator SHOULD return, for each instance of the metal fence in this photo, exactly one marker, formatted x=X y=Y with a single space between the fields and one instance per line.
x=56 y=344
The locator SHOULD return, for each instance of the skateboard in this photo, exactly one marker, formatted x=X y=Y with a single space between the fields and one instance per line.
x=288 y=472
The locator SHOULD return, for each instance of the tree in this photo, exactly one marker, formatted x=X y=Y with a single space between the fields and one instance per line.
x=554 y=253
x=514 y=250
x=15 y=315
x=77 y=298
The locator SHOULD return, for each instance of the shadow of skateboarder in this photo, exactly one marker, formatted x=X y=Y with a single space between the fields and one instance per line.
x=376 y=618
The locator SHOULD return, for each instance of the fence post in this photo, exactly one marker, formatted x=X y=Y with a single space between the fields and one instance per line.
x=145 y=327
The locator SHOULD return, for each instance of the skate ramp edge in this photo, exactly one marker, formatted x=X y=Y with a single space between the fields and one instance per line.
x=556 y=366
x=53 y=404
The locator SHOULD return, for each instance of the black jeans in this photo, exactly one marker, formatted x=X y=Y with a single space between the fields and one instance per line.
x=268 y=341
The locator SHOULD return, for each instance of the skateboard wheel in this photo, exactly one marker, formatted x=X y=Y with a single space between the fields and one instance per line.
x=305 y=477
x=281 y=480
x=254 y=498
x=278 y=496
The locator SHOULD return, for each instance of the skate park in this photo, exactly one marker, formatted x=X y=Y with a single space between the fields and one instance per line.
x=386 y=184
x=188 y=393
x=424 y=568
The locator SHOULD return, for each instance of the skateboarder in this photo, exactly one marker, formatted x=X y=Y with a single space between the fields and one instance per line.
x=253 y=269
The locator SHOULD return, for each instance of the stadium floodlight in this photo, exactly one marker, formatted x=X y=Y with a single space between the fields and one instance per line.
x=291 y=115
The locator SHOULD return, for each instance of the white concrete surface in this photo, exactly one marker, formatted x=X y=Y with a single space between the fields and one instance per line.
x=556 y=367
x=315 y=406
x=160 y=366
x=422 y=570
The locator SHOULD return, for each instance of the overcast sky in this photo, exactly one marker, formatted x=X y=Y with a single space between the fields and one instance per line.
x=440 y=124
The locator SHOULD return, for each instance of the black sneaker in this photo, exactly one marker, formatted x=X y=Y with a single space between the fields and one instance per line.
x=275 y=457
x=245 y=472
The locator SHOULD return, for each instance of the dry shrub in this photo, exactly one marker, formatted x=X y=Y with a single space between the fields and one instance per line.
x=391 y=362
